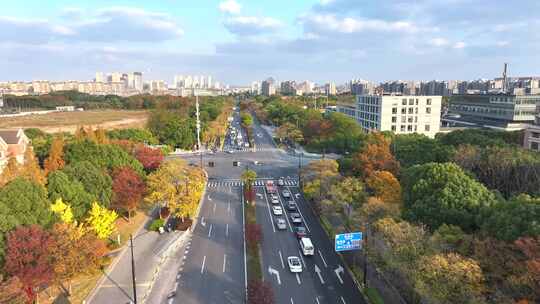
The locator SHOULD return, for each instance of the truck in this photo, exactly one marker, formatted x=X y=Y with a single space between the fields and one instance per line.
x=270 y=187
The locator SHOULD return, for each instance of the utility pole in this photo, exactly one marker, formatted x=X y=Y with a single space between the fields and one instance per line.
x=133 y=270
x=365 y=255
x=198 y=129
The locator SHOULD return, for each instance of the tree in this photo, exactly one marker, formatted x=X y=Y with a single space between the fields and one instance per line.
x=55 y=161
x=101 y=221
x=70 y=190
x=150 y=158
x=248 y=178
x=530 y=247
x=510 y=220
x=450 y=278
x=101 y=136
x=134 y=135
x=437 y=194
x=247 y=120
x=76 y=251
x=348 y=195
x=30 y=169
x=254 y=236
x=128 y=188
x=260 y=292
x=28 y=258
x=63 y=211
x=385 y=186
x=417 y=149
x=94 y=180
x=22 y=202
x=10 y=172
x=376 y=156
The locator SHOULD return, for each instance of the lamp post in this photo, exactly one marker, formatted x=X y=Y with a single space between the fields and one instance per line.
x=133 y=280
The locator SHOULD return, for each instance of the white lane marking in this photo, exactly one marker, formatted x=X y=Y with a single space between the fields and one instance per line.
x=317 y=300
x=210 y=230
x=298 y=279
x=214 y=211
x=301 y=215
x=227 y=230
x=203 y=262
x=272 y=271
x=302 y=258
x=269 y=213
x=292 y=302
x=322 y=258
x=318 y=272
x=224 y=262
x=176 y=286
x=170 y=301
x=338 y=271
x=203 y=223
x=209 y=198
x=229 y=207
x=281 y=258
x=343 y=300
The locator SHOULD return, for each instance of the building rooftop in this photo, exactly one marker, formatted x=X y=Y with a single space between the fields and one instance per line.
x=10 y=137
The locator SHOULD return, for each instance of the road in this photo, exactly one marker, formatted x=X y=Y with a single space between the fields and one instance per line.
x=212 y=251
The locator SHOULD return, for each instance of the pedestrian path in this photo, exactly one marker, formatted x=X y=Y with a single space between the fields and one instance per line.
x=238 y=183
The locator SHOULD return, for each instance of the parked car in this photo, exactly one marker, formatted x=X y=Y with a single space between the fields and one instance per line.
x=291 y=206
x=281 y=224
x=277 y=210
x=294 y=264
x=296 y=218
x=300 y=232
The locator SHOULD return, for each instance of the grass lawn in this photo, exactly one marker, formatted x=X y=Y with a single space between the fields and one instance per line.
x=69 y=121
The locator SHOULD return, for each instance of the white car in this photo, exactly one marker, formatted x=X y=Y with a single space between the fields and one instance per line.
x=281 y=224
x=275 y=201
x=286 y=194
x=281 y=182
x=294 y=264
x=277 y=210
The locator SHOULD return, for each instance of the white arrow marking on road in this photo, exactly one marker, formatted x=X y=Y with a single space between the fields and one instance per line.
x=171 y=301
x=318 y=271
x=209 y=198
x=275 y=272
x=202 y=267
x=317 y=299
x=210 y=230
x=281 y=258
x=343 y=300
x=214 y=211
x=298 y=279
x=292 y=302
x=338 y=271
x=203 y=223
x=322 y=258
x=227 y=230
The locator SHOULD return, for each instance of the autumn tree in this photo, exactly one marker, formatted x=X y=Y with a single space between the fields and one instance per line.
x=76 y=252
x=150 y=158
x=376 y=156
x=260 y=292
x=101 y=136
x=55 y=160
x=30 y=169
x=385 y=186
x=10 y=172
x=254 y=235
x=71 y=191
x=248 y=178
x=530 y=247
x=128 y=189
x=28 y=257
x=101 y=221
x=348 y=195
x=63 y=211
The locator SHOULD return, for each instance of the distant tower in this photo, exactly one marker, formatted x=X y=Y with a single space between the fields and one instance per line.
x=505 y=79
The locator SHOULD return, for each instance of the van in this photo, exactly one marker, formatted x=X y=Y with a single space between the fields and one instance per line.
x=306 y=246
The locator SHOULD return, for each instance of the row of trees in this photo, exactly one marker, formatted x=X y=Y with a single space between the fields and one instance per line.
x=432 y=230
x=64 y=208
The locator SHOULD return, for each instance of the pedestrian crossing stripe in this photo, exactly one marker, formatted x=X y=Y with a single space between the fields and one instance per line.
x=239 y=183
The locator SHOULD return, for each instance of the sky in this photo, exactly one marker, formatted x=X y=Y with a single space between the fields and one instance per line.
x=240 y=41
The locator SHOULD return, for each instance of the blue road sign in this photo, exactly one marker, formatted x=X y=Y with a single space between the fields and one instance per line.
x=348 y=241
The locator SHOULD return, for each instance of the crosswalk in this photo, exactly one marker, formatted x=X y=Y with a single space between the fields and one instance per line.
x=256 y=149
x=238 y=183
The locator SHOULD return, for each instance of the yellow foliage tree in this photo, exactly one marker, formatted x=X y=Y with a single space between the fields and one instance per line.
x=63 y=210
x=55 y=161
x=385 y=186
x=31 y=169
x=101 y=221
x=101 y=136
x=10 y=172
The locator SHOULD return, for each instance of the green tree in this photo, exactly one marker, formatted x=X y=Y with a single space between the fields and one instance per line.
x=416 y=149
x=22 y=202
x=95 y=181
x=61 y=186
x=132 y=134
x=436 y=194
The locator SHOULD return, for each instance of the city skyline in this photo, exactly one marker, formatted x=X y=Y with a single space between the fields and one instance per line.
x=241 y=41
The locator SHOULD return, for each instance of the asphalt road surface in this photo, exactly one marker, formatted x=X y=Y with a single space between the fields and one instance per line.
x=214 y=269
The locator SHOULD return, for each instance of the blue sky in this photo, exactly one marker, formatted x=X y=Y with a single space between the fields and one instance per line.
x=238 y=41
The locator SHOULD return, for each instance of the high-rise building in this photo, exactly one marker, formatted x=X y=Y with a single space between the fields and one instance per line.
x=255 y=88
x=399 y=114
x=330 y=88
x=209 y=82
x=138 y=81
x=116 y=77
x=288 y=88
x=267 y=87
x=100 y=77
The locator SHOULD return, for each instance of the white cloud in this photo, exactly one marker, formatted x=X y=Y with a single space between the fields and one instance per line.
x=503 y=43
x=459 y=45
x=438 y=42
x=230 y=6
x=348 y=25
x=250 y=25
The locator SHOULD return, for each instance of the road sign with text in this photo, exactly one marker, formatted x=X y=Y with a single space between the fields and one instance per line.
x=348 y=241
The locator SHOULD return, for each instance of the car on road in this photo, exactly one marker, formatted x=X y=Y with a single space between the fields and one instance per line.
x=296 y=218
x=275 y=201
x=281 y=224
x=273 y=196
x=277 y=210
x=281 y=182
x=307 y=246
x=286 y=194
x=294 y=264
x=300 y=232
x=230 y=151
x=291 y=206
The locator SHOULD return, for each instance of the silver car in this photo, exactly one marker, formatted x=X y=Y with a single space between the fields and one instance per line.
x=281 y=224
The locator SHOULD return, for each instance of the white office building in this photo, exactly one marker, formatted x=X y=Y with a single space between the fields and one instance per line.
x=399 y=114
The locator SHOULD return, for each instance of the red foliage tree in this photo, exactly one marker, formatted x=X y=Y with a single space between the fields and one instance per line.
x=28 y=257
x=128 y=188
x=376 y=156
x=150 y=158
x=253 y=235
x=260 y=292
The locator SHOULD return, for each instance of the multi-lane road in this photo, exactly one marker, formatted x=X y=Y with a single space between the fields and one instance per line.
x=213 y=269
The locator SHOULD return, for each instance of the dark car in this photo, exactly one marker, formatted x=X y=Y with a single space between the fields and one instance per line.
x=291 y=206
x=300 y=232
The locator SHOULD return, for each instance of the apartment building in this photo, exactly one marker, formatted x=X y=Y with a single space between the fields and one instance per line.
x=399 y=114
